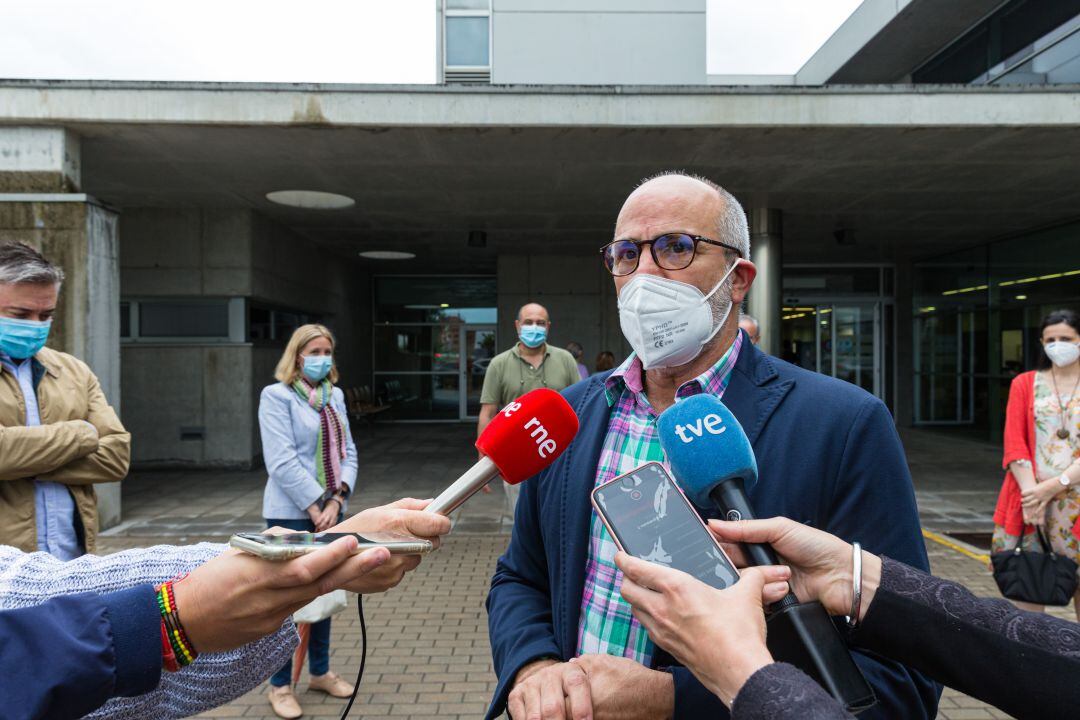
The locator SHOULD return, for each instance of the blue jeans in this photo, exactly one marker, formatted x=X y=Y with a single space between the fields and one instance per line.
x=319 y=644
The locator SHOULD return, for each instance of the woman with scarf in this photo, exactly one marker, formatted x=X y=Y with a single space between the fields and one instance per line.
x=311 y=460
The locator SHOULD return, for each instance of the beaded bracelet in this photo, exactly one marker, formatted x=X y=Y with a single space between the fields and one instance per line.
x=168 y=656
x=181 y=652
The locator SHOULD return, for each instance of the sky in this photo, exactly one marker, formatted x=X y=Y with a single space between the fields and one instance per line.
x=769 y=37
x=331 y=41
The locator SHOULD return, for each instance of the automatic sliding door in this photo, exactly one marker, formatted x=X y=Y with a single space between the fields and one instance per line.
x=944 y=371
x=844 y=341
x=856 y=348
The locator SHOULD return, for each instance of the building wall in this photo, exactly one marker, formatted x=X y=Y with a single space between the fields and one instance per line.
x=171 y=387
x=598 y=42
x=81 y=237
x=578 y=294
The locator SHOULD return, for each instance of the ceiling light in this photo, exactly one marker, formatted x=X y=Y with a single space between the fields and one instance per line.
x=445 y=305
x=310 y=199
x=387 y=255
x=1021 y=297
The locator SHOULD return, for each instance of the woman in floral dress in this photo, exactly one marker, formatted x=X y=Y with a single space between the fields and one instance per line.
x=1042 y=450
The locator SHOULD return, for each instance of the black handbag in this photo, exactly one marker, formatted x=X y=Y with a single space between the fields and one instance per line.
x=1043 y=578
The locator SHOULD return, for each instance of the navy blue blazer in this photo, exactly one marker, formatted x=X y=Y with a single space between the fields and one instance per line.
x=828 y=455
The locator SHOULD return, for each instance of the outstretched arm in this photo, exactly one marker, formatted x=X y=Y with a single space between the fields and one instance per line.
x=27 y=580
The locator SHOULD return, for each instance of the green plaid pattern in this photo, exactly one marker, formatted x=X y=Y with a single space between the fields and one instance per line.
x=606 y=624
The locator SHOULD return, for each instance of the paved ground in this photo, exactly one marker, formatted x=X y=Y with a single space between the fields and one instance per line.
x=428 y=644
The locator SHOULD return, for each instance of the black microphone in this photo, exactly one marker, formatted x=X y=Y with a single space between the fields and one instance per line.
x=714 y=464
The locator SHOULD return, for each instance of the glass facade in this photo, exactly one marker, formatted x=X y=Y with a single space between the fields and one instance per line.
x=1023 y=41
x=838 y=320
x=433 y=337
x=977 y=314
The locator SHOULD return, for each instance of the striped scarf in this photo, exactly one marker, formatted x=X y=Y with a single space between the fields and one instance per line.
x=330 y=449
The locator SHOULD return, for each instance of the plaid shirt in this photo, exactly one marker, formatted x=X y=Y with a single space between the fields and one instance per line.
x=606 y=624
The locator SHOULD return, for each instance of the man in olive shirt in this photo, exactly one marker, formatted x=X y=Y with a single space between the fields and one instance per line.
x=532 y=363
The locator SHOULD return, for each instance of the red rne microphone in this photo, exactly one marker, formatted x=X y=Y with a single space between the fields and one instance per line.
x=521 y=440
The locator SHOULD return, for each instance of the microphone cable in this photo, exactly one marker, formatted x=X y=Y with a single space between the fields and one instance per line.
x=363 y=655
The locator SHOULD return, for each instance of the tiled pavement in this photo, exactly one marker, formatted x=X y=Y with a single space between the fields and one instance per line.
x=428 y=648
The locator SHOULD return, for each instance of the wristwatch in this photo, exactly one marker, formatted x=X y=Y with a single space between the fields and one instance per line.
x=1064 y=479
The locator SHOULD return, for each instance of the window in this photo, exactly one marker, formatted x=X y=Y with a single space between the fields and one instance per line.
x=275 y=324
x=467 y=41
x=178 y=320
x=1014 y=28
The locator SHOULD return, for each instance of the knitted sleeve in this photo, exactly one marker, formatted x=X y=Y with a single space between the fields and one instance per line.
x=28 y=579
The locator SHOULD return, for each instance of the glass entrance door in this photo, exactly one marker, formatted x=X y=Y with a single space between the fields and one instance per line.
x=478 y=348
x=844 y=340
x=944 y=367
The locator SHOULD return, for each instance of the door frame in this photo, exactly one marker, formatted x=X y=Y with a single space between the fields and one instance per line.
x=463 y=366
x=862 y=300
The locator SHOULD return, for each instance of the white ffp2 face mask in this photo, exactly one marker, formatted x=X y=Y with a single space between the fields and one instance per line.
x=667 y=322
x=1062 y=353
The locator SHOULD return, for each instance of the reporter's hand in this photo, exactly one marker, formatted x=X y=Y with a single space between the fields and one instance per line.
x=405 y=517
x=718 y=634
x=237 y=598
x=820 y=562
x=550 y=690
x=315 y=514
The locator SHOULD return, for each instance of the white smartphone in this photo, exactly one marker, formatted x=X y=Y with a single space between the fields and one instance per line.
x=650 y=518
x=291 y=545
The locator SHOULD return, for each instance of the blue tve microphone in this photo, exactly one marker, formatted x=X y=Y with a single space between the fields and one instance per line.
x=713 y=462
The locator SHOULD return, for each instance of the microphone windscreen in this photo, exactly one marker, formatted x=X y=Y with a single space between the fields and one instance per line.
x=528 y=434
x=705 y=446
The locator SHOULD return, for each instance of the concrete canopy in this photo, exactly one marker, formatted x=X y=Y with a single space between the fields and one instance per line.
x=911 y=172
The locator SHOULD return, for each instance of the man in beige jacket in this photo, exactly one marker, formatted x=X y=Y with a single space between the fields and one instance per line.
x=58 y=434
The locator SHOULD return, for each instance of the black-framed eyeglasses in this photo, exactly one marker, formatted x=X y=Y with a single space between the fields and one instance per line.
x=670 y=251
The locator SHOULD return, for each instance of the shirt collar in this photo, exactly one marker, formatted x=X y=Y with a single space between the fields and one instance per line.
x=630 y=376
x=517 y=350
x=36 y=362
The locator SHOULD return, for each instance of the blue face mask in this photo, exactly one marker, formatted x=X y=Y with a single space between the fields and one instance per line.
x=317 y=367
x=21 y=339
x=533 y=335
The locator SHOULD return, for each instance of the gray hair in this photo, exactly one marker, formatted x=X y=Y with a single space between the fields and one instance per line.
x=731 y=225
x=751 y=318
x=21 y=263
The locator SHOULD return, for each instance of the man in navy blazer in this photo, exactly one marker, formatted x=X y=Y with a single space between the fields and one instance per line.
x=827 y=451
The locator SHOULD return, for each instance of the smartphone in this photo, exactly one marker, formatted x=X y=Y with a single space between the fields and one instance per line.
x=290 y=545
x=650 y=518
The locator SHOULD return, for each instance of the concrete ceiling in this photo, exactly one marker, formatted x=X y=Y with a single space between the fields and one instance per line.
x=902 y=191
x=912 y=172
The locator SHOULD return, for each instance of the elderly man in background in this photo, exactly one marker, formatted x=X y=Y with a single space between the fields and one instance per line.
x=58 y=434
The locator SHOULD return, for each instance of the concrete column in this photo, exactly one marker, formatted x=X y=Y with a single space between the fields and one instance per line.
x=766 y=250
x=39 y=169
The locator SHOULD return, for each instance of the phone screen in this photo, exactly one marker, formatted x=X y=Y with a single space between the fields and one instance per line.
x=325 y=538
x=651 y=519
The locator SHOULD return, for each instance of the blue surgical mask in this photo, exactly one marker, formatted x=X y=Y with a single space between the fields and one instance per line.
x=533 y=335
x=317 y=367
x=20 y=339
